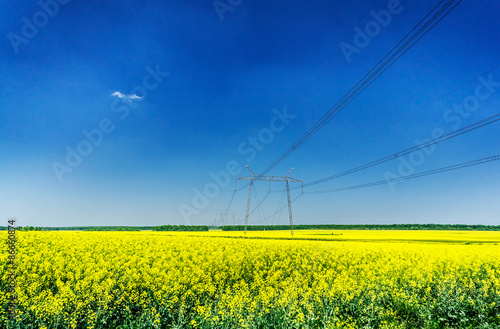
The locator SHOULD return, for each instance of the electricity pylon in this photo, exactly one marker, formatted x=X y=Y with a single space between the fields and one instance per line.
x=285 y=178
x=224 y=215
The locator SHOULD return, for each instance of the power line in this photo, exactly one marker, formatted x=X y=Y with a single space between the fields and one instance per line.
x=259 y=208
x=398 y=179
x=241 y=220
x=320 y=74
x=419 y=108
x=259 y=204
x=376 y=71
x=402 y=178
x=459 y=132
x=278 y=211
x=326 y=66
x=274 y=220
x=408 y=41
x=231 y=202
x=361 y=85
x=392 y=123
x=229 y=205
x=286 y=178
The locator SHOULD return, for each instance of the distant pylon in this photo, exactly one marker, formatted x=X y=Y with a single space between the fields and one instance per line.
x=222 y=219
x=285 y=178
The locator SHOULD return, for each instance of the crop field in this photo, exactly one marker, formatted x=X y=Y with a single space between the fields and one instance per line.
x=317 y=279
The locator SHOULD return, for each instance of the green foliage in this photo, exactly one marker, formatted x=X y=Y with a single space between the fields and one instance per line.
x=193 y=228
x=446 y=227
x=28 y=228
x=181 y=228
x=98 y=228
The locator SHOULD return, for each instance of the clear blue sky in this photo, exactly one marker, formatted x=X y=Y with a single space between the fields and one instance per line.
x=214 y=79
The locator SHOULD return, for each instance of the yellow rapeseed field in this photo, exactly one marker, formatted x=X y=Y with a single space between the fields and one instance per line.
x=345 y=279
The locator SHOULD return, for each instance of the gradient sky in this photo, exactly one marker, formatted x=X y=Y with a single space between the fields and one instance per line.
x=228 y=74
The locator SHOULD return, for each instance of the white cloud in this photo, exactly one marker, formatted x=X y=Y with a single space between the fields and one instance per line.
x=126 y=97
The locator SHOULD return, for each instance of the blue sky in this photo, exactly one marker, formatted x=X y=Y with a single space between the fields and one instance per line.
x=214 y=81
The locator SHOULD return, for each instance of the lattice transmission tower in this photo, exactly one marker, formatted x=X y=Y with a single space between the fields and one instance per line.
x=223 y=217
x=285 y=179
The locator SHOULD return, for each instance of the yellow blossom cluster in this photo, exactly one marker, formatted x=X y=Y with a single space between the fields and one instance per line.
x=185 y=280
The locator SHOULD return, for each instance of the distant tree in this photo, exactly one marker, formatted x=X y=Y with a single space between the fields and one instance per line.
x=183 y=228
x=365 y=227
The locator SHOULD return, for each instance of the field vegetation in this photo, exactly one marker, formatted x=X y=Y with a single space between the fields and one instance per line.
x=317 y=279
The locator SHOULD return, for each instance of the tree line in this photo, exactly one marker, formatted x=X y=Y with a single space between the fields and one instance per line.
x=181 y=228
x=114 y=228
x=444 y=227
x=192 y=228
x=82 y=228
